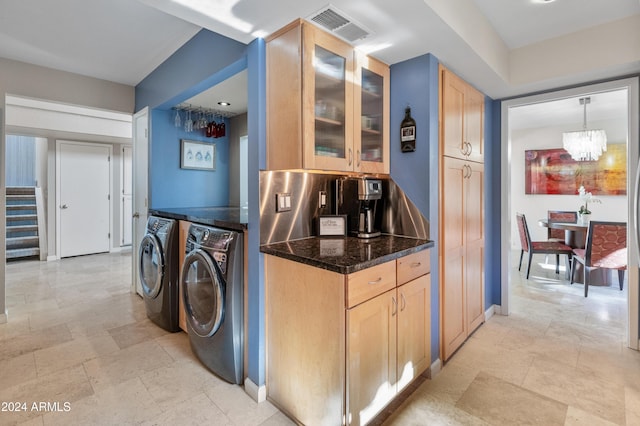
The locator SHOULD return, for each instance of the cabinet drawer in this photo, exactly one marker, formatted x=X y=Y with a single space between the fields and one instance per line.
x=412 y=266
x=368 y=283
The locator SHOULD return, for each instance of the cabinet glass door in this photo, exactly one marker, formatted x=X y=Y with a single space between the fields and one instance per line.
x=330 y=96
x=371 y=110
x=371 y=129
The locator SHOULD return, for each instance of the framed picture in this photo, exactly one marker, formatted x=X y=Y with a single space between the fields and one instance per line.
x=332 y=225
x=553 y=171
x=197 y=155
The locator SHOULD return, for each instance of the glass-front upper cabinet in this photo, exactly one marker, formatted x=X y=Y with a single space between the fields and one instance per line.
x=327 y=105
x=371 y=95
x=329 y=124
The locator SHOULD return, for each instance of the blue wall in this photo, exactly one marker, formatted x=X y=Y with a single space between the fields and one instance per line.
x=171 y=186
x=493 y=202
x=415 y=83
x=198 y=59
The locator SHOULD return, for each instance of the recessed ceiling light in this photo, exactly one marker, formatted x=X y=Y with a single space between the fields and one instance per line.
x=223 y=103
x=543 y=1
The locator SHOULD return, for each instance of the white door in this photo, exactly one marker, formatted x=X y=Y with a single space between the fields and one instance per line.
x=126 y=212
x=140 y=187
x=83 y=198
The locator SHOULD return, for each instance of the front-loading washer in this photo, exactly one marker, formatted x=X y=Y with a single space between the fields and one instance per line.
x=212 y=291
x=159 y=275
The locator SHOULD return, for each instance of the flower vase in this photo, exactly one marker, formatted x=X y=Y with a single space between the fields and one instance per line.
x=584 y=218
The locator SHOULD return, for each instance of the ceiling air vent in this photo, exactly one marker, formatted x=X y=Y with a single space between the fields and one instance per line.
x=338 y=23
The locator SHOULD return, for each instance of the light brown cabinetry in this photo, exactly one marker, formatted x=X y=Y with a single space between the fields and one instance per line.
x=462 y=116
x=327 y=105
x=183 y=231
x=461 y=214
x=376 y=322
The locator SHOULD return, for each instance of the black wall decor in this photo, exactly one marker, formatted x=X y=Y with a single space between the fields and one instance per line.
x=408 y=132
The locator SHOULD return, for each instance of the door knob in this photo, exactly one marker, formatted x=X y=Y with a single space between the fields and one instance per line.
x=136 y=215
x=64 y=206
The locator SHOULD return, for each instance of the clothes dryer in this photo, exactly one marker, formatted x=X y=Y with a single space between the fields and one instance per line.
x=158 y=257
x=212 y=290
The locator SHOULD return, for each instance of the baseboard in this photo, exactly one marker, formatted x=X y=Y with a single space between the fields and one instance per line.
x=4 y=317
x=257 y=393
x=493 y=310
x=52 y=258
x=436 y=368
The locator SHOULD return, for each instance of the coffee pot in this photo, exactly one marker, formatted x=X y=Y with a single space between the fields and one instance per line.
x=369 y=193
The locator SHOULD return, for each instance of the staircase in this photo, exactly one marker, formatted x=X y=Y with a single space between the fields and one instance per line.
x=25 y=223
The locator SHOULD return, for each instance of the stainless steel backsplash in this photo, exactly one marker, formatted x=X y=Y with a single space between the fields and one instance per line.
x=400 y=216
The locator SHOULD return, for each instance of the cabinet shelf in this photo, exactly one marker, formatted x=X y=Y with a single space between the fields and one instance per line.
x=371 y=131
x=329 y=121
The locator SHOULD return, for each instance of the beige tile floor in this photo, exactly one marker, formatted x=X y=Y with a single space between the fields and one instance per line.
x=76 y=335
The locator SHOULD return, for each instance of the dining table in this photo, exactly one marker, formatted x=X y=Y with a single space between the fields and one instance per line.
x=575 y=233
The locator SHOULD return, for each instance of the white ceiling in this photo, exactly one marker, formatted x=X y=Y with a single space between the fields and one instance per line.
x=124 y=40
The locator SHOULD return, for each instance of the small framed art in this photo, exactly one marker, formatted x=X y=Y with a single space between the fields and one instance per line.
x=197 y=155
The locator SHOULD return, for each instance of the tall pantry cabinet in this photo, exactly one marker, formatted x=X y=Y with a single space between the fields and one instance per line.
x=461 y=211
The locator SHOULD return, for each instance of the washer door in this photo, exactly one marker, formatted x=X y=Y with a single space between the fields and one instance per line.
x=151 y=265
x=202 y=293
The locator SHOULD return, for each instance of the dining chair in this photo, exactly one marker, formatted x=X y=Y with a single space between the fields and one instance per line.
x=562 y=216
x=542 y=247
x=606 y=249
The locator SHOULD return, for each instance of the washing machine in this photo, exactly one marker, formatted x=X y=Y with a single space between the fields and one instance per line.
x=159 y=274
x=212 y=292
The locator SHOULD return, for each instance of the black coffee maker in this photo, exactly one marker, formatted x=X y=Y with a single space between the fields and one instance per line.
x=360 y=198
x=369 y=192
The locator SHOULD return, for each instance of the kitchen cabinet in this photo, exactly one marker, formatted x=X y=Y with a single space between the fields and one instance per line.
x=462 y=118
x=183 y=232
x=341 y=347
x=327 y=104
x=461 y=213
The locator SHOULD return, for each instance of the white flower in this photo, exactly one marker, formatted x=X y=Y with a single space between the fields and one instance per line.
x=587 y=197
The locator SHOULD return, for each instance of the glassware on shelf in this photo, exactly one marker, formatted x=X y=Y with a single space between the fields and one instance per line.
x=177 y=121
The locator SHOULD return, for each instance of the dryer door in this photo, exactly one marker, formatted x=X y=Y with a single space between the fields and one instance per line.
x=151 y=268
x=202 y=293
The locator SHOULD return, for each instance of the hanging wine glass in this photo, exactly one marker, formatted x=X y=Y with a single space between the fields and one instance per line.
x=177 y=121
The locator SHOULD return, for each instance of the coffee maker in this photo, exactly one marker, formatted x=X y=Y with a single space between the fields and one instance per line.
x=369 y=192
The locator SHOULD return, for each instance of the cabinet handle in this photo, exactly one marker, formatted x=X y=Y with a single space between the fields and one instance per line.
x=376 y=281
x=416 y=264
x=404 y=302
x=350 y=156
x=394 y=309
x=358 y=156
x=470 y=148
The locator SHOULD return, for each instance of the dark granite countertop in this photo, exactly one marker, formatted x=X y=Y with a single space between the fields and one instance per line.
x=346 y=255
x=234 y=218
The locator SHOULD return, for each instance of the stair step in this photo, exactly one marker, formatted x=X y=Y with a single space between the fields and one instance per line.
x=20 y=190
x=21 y=228
x=17 y=217
x=22 y=252
x=16 y=207
x=22 y=243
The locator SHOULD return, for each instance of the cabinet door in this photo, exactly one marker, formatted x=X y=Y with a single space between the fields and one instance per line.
x=414 y=329
x=452 y=273
x=327 y=101
x=371 y=112
x=474 y=244
x=453 y=104
x=474 y=120
x=371 y=357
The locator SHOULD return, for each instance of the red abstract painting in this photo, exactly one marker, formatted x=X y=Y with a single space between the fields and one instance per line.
x=553 y=171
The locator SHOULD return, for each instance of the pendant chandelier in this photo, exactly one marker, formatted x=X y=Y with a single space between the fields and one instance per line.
x=585 y=145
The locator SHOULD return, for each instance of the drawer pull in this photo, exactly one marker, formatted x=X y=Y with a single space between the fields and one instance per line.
x=416 y=264
x=376 y=281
